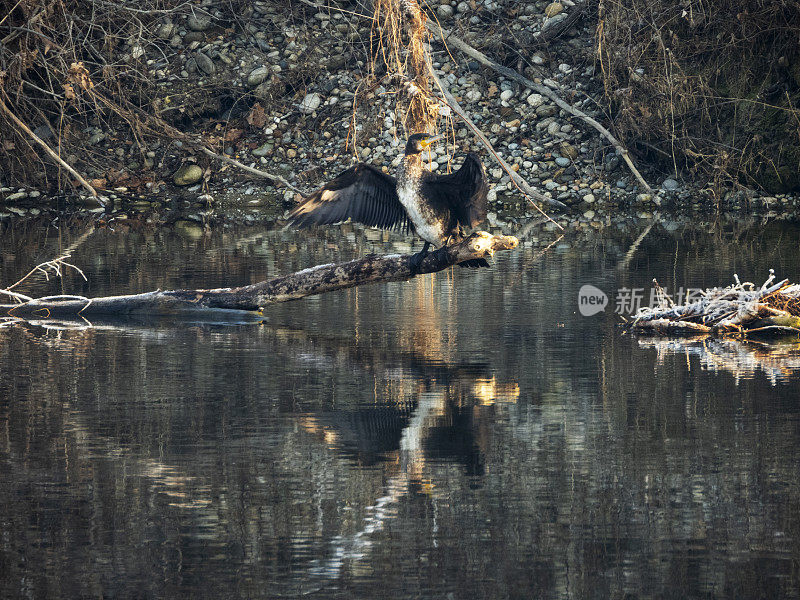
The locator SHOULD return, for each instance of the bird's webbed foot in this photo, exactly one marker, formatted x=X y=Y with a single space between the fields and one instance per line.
x=416 y=260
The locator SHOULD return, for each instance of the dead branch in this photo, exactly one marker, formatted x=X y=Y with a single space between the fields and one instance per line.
x=308 y=282
x=541 y=89
x=736 y=310
x=48 y=149
x=244 y=167
x=518 y=180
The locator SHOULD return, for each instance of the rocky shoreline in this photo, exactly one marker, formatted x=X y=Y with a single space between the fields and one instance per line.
x=231 y=80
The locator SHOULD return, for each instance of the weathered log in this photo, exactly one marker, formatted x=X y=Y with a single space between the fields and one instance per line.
x=308 y=282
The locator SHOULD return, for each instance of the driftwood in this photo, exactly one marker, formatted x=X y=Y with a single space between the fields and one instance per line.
x=232 y=161
x=316 y=280
x=740 y=310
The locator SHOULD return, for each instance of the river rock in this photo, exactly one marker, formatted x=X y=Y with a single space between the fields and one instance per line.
x=264 y=149
x=257 y=76
x=187 y=174
x=198 y=21
x=546 y=110
x=166 y=31
x=445 y=11
x=553 y=9
x=568 y=149
x=670 y=185
x=473 y=95
x=310 y=103
x=535 y=100
x=192 y=37
x=205 y=64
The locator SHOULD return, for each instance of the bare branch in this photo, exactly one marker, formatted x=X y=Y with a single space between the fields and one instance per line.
x=541 y=89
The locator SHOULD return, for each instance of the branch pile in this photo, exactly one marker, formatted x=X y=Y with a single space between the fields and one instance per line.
x=741 y=310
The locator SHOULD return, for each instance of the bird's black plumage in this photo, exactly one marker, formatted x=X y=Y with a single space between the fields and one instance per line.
x=436 y=207
x=463 y=193
x=362 y=193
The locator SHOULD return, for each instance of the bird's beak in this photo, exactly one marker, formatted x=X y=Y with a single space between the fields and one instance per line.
x=433 y=139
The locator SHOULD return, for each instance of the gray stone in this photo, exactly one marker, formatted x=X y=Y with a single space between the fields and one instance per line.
x=506 y=95
x=546 y=110
x=264 y=149
x=257 y=76
x=16 y=196
x=310 y=103
x=198 y=21
x=192 y=37
x=562 y=161
x=187 y=174
x=166 y=31
x=43 y=132
x=205 y=64
x=473 y=95
x=612 y=162
x=445 y=11
x=670 y=185
x=535 y=100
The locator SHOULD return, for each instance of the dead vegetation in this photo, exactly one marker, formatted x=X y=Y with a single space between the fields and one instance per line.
x=707 y=87
x=739 y=310
x=71 y=70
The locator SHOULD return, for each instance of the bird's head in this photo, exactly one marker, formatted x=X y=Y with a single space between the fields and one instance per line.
x=420 y=141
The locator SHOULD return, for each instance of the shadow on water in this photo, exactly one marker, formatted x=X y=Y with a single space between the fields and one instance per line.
x=463 y=435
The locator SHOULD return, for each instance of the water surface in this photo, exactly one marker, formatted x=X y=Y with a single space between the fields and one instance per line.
x=463 y=435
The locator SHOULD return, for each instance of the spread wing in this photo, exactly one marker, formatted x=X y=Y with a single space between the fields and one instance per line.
x=363 y=194
x=464 y=191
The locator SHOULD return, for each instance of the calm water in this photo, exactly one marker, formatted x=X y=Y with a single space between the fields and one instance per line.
x=465 y=435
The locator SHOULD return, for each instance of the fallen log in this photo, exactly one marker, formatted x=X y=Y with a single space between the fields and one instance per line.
x=308 y=282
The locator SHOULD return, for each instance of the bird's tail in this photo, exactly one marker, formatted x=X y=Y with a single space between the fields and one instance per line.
x=475 y=263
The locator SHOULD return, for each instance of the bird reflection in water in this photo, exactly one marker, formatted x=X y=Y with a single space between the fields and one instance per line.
x=445 y=420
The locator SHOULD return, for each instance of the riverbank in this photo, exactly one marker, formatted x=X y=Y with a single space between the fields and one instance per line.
x=289 y=90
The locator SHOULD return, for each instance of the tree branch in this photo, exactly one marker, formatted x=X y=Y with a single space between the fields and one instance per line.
x=316 y=280
x=48 y=150
x=541 y=89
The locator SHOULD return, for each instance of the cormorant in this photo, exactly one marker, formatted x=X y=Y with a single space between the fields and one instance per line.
x=436 y=207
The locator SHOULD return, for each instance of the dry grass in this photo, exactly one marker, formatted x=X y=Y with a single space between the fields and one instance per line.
x=400 y=51
x=707 y=86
